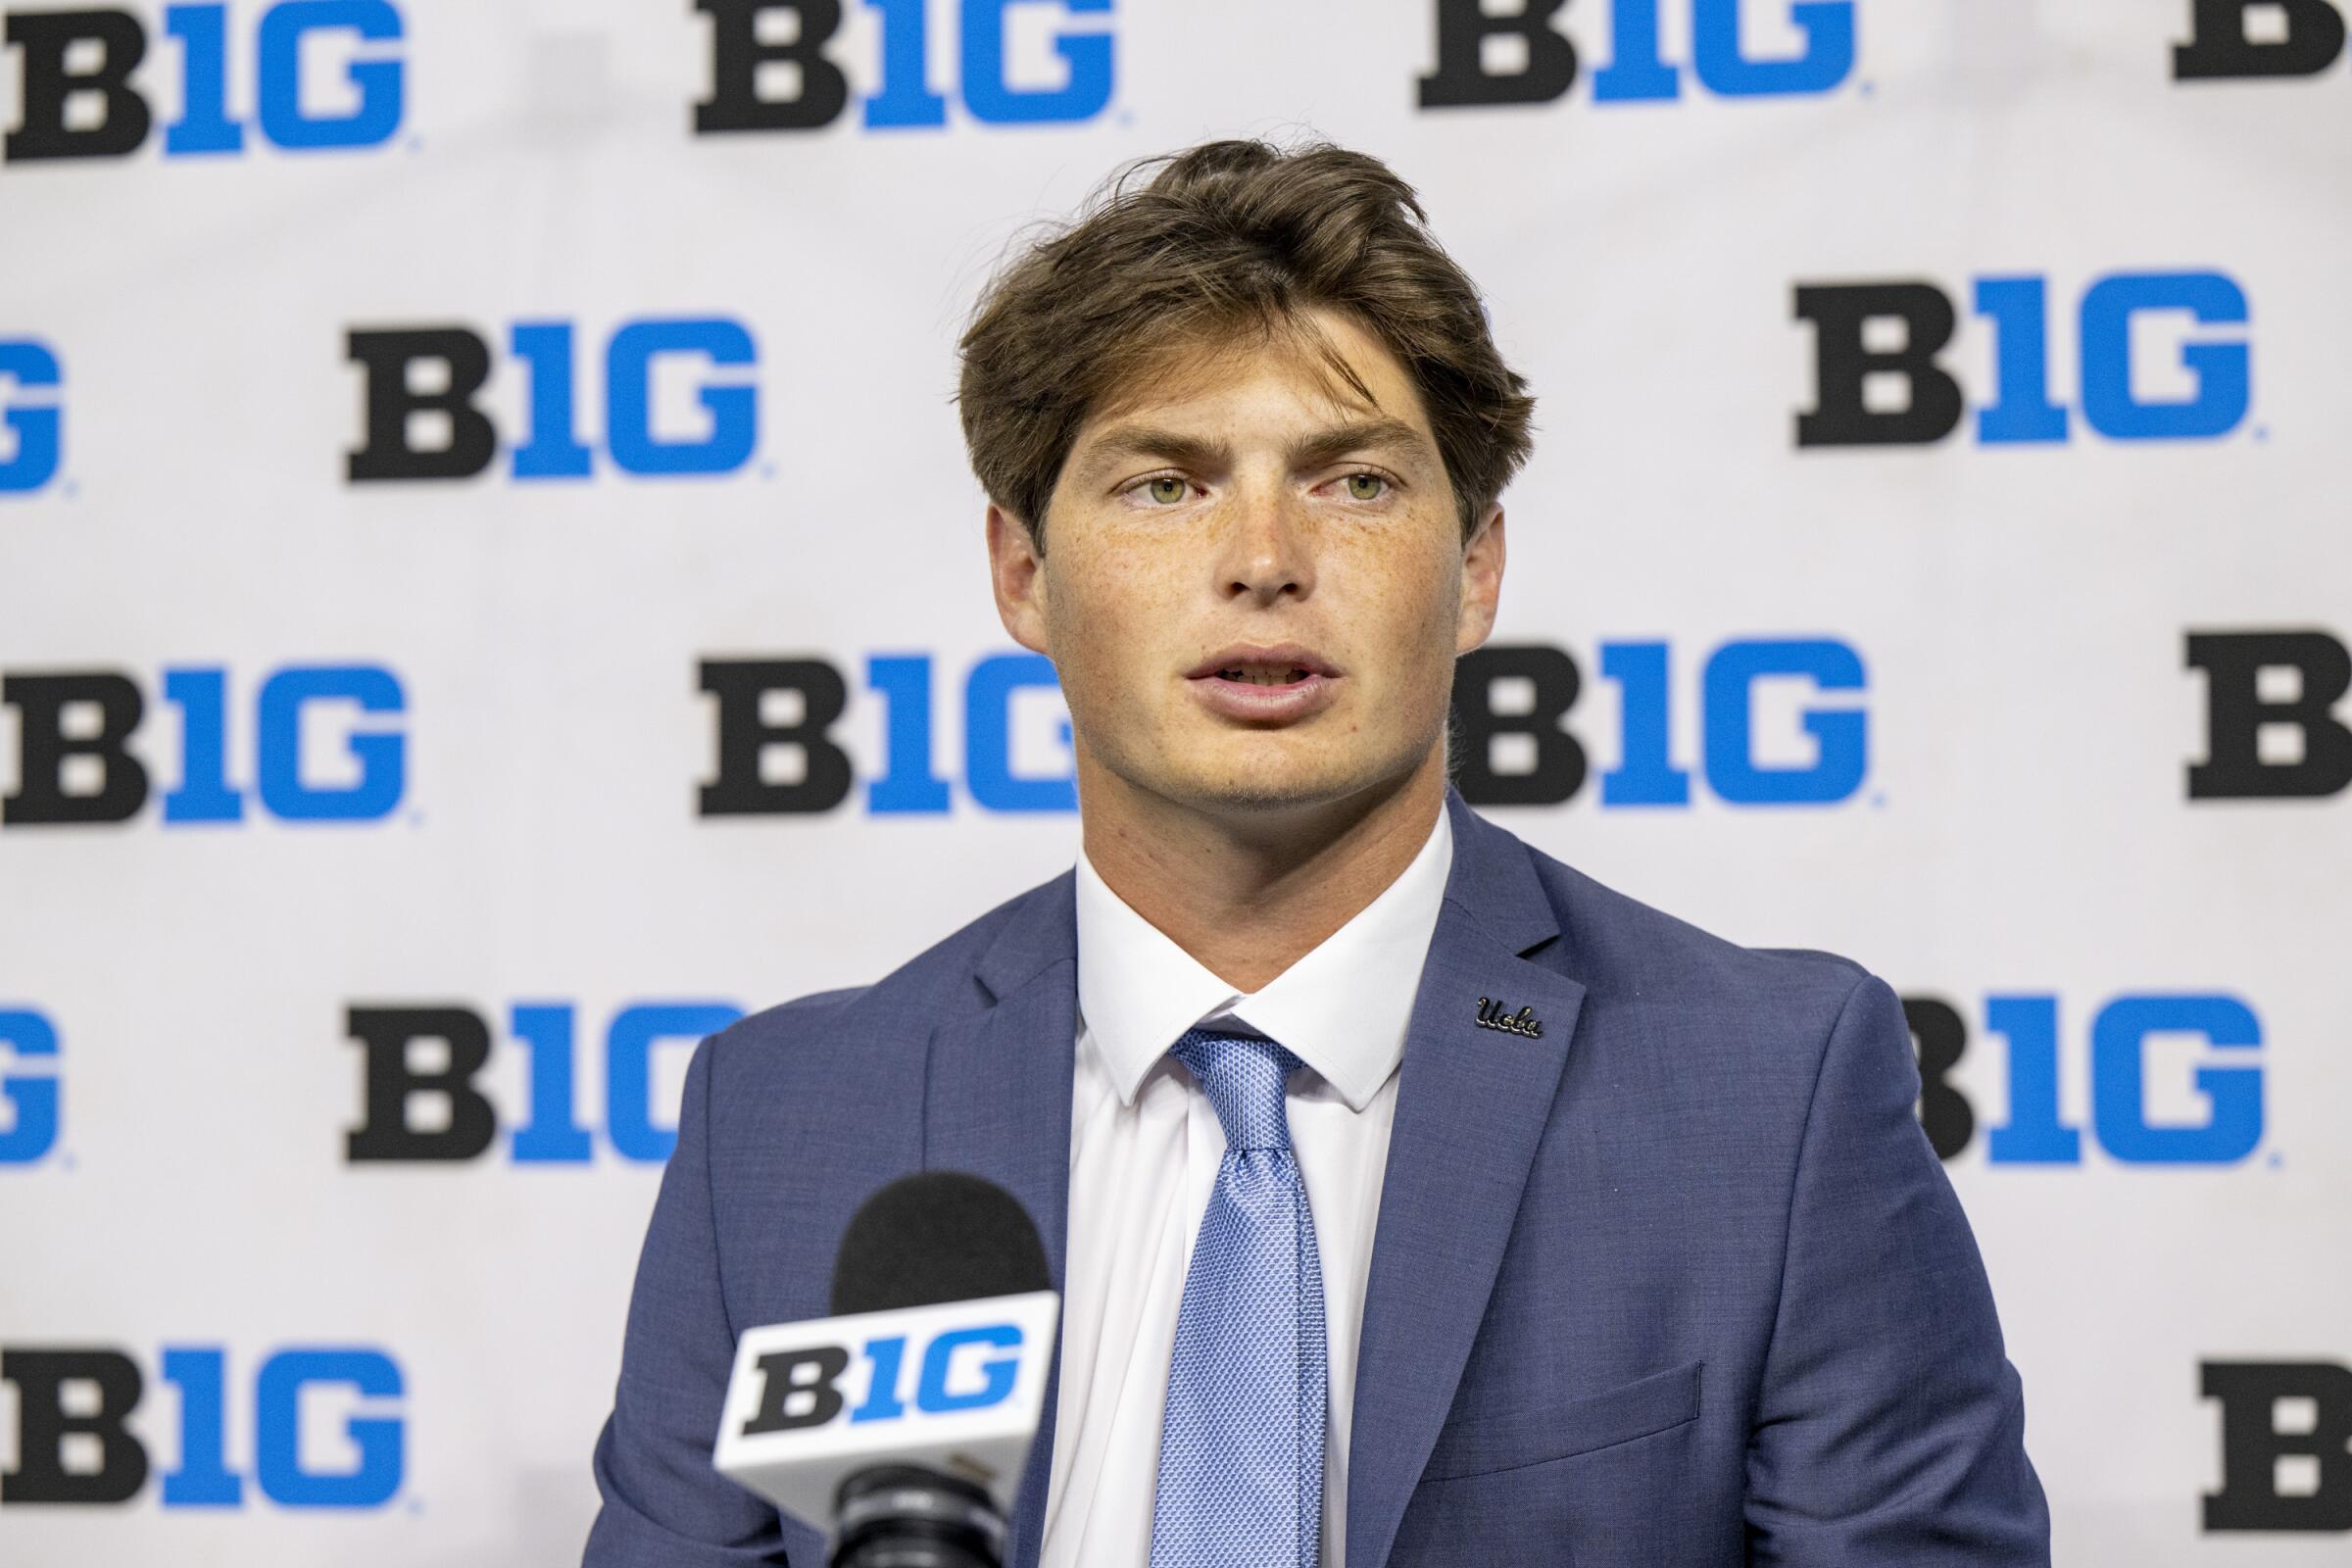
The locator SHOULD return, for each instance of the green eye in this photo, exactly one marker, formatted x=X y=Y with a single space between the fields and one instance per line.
x=1361 y=486
x=1164 y=489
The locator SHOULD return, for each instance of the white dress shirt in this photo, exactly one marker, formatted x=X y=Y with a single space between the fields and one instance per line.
x=1144 y=1146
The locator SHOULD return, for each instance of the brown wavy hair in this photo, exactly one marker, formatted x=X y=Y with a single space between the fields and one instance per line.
x=1224 y=243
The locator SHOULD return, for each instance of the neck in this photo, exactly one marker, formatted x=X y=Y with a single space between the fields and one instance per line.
x=1249 y=893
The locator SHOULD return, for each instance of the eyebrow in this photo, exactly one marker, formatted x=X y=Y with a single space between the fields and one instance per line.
x=1310 y=451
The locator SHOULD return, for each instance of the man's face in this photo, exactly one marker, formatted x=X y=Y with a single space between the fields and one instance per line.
x=1254 y=584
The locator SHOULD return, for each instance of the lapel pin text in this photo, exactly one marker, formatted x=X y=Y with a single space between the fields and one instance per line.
x=1523 y=1023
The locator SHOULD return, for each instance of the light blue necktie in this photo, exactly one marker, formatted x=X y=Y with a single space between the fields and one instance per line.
x=1240 y=1448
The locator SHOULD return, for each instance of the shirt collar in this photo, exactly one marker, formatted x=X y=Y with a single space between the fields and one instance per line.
x=1342 y=1009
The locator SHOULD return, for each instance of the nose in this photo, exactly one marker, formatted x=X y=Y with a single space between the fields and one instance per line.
x=1266 y=554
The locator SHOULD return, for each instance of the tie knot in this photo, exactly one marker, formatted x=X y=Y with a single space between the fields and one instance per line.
x=1244 y=1078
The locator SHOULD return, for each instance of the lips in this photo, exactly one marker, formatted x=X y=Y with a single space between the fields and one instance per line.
x=1264 y=685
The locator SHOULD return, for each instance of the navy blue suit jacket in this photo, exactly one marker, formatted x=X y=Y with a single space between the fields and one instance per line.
x=1676 y=1284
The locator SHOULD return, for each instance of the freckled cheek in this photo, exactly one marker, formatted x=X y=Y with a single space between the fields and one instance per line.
x=1403 y=607
x=1114 y=614
x=1112 y=577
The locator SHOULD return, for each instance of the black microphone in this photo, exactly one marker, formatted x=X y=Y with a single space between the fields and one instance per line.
x=937 y=1235
x=923 y=1241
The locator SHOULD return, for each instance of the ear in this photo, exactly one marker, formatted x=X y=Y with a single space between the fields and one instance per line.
x=1016 y=570
x=1482 y=582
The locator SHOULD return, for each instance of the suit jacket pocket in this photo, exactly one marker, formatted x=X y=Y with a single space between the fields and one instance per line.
x=1480 y=1442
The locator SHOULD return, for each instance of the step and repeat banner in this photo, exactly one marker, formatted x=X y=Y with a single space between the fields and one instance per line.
x=490 y=591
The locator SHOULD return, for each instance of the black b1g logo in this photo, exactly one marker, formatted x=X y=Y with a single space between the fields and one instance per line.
x=2235 y=40
x=2271 y=727
x=2286 y=1446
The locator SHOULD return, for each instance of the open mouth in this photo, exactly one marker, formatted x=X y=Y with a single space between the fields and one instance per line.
x=1280 y=675
x=1259 y=684
x=1262 y=664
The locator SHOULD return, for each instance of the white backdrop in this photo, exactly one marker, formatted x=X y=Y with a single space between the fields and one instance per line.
x=177 y=1188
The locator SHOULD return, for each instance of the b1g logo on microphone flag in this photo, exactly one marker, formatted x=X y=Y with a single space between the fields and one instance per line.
x=957 y=1387
x=86 y=88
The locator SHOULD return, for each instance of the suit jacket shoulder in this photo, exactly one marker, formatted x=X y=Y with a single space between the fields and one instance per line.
x=1707 y=1006
x=824 y=1033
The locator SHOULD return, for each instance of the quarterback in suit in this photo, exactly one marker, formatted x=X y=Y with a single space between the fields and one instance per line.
x=1627 y=1248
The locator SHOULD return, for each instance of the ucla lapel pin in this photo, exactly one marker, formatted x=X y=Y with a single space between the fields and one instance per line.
x=1523 y=1023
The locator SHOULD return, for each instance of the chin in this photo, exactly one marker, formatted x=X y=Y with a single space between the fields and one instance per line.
x=1262 y=778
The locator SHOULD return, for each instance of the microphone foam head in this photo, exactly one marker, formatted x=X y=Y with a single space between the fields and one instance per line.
x=937 y=1237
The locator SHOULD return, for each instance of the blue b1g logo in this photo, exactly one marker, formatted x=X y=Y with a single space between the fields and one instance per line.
x=76 y=767
x=1512 y=745
x=86 y=1394
x=777 y=752
x=79 y=98
x=748 y=36
x=1537 y=63
x=29 y=1088
x=464 y=1122
x=550 y=445
x=1889 y=338
x=972 y=1367
x=2228 y=1088
x=31 y=420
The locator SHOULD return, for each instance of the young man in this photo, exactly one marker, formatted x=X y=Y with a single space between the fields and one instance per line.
x=1415 y=1200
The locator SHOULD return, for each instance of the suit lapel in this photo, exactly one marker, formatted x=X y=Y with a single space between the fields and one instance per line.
x=997 y=1103
x=1472 y=1104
